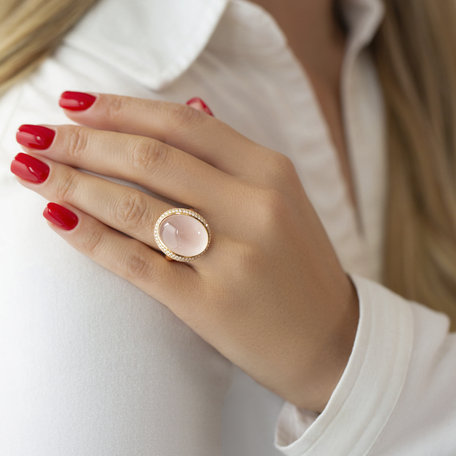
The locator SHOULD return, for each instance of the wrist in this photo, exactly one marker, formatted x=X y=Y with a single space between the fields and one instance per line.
x=331 y=355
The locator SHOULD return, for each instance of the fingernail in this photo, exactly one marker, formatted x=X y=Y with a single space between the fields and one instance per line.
x=35 y=136
x=76 y=101
x=29 y=168
x=60 y=216
x=198 y=103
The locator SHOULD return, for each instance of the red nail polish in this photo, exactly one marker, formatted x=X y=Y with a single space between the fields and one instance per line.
x=35 y=136
x=29 y=168
x=198 y=102
x=76 y=101
x=60 y=216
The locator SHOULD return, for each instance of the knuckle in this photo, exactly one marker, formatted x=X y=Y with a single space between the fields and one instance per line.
x=137 y=265
x=148 y=155
x=92 y=242
x=284 y=164
x=66 y=186
x=77 y=143
x=131 y=210
x=280 y=170
x=115 y=108
x=273 y=207
x=183 y=115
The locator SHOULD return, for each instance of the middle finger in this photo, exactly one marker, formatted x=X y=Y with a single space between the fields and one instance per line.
x=127 y=210
x=150 y=163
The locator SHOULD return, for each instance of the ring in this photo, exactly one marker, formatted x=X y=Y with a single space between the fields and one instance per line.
x=182 y=234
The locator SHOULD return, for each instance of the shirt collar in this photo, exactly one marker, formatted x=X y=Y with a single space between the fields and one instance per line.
x=363 y=18
x=152 y=41
x=155 y=41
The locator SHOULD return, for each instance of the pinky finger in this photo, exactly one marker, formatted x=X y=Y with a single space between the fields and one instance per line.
x=126 y=257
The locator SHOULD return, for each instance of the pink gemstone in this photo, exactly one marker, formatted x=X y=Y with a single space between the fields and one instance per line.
x=183 y=235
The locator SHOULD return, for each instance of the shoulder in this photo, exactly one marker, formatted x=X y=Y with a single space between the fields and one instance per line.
x=152 y=41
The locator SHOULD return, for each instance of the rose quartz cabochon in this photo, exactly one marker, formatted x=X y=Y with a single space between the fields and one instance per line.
x=184 y=235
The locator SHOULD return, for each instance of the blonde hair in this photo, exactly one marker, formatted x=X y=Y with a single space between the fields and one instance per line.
x=30 y=30
x=416 y=61
x=414 y=52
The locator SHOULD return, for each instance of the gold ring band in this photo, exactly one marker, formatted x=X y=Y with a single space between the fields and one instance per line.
x=182 y=234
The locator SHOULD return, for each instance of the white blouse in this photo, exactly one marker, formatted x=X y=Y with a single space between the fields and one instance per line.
x=91 y=365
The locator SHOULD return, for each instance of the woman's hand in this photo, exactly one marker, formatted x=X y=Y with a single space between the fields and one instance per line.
x=269 y=293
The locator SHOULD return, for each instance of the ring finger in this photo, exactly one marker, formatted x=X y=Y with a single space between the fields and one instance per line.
x=125 y=209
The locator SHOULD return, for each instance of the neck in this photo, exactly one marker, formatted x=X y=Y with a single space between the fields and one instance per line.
x=314 y=33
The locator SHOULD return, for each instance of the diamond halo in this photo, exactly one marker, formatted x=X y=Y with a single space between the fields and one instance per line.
x=162 y=246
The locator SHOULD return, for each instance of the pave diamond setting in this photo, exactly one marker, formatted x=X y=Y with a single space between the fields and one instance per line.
x=175 y=232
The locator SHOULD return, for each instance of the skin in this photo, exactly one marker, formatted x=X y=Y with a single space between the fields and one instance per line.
x=269 y=293
x=317 y=38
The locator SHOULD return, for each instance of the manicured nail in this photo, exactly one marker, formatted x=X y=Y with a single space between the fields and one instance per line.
x=198 y=103
x=76 y=101
x=60 y=216
x=35 y=136
x=29 y=168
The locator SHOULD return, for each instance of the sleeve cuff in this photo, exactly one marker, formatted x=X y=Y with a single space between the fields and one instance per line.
x=369 y=388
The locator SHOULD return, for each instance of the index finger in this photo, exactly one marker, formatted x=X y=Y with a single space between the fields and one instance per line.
x=176 y=124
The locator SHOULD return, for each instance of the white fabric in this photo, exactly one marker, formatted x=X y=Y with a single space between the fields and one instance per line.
x=93 y=366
